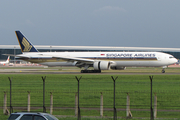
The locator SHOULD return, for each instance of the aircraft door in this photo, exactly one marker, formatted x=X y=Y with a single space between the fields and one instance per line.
x=159 y=57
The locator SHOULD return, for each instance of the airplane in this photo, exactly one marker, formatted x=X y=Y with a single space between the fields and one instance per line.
x=98 y=60
x=5 y=62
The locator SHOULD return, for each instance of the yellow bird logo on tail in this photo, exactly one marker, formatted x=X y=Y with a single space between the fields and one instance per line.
x=27 y=46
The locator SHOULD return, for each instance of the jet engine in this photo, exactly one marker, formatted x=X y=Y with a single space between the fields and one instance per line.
x=101 y=65
x=117 y=68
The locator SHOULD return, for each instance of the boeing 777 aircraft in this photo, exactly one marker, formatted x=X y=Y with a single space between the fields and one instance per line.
x=98 y=60
x=5 y=62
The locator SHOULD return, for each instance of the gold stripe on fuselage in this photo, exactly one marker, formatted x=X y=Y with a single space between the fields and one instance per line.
x=40 y=60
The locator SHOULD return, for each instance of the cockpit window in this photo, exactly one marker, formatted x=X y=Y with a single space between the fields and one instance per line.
x=171 y=57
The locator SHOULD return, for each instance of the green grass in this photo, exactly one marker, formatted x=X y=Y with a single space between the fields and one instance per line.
x=64 y=88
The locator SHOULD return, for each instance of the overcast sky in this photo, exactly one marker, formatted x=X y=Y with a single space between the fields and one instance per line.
x=123 y=23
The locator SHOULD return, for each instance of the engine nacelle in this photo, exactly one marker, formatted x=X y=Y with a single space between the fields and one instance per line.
x=117 y=68
x=101 y=65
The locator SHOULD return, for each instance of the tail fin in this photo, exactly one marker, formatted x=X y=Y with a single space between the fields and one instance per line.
x=25 y=45
x=7 y=61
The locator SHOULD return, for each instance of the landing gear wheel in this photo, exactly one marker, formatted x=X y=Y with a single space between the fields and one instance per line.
x=163 y=71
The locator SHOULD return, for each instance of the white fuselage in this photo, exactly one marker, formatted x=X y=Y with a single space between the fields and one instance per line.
x=5 y=62
x=121 y=59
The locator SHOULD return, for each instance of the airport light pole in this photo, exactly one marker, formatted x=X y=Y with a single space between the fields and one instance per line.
x=14 y=54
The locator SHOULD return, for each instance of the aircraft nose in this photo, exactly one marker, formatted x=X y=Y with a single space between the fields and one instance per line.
x=173 y=61
x=176 y=60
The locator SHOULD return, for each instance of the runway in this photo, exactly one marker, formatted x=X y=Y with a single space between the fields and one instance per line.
x=66 y=70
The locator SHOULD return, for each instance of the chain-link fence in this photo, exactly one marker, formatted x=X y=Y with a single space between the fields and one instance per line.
x=126 y=96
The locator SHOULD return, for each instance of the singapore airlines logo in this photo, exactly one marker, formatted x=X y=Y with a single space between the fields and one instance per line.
x=27 y=46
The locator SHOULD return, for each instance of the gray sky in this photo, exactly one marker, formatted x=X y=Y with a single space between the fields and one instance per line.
x=123 y=23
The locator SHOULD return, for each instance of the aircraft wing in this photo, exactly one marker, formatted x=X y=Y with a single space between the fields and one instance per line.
x=72 y=59
x=68 y=59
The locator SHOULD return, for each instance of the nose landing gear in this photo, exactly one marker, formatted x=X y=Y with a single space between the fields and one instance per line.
x=163 y=69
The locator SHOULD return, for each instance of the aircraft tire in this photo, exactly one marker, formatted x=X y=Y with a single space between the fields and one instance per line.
x=163 y=71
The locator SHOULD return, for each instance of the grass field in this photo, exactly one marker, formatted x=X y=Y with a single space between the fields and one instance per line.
x=64 y=88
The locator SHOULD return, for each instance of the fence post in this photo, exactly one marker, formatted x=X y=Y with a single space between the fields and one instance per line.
x=44 y=108
x=5 y=110
x=29 y=101
x=5 y=103
x=101 y=105
x=115 y=112
x=155 y=106
x=51 y=103
x=152 y=116
x=128 y=112
x=76 y=104
x=11 y=108
x=79 y=114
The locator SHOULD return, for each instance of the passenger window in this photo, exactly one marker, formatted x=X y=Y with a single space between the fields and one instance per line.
x=36 y=117
x=26 y=117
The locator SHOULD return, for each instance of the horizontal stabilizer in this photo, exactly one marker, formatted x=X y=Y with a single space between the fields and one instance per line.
x=9 y=55
x=20 y=56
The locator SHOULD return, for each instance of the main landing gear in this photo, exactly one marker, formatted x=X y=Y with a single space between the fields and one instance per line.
x=90 y=71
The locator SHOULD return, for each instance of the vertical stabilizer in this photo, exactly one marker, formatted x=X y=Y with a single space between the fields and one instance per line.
x=7 y=61
x=24 y=43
